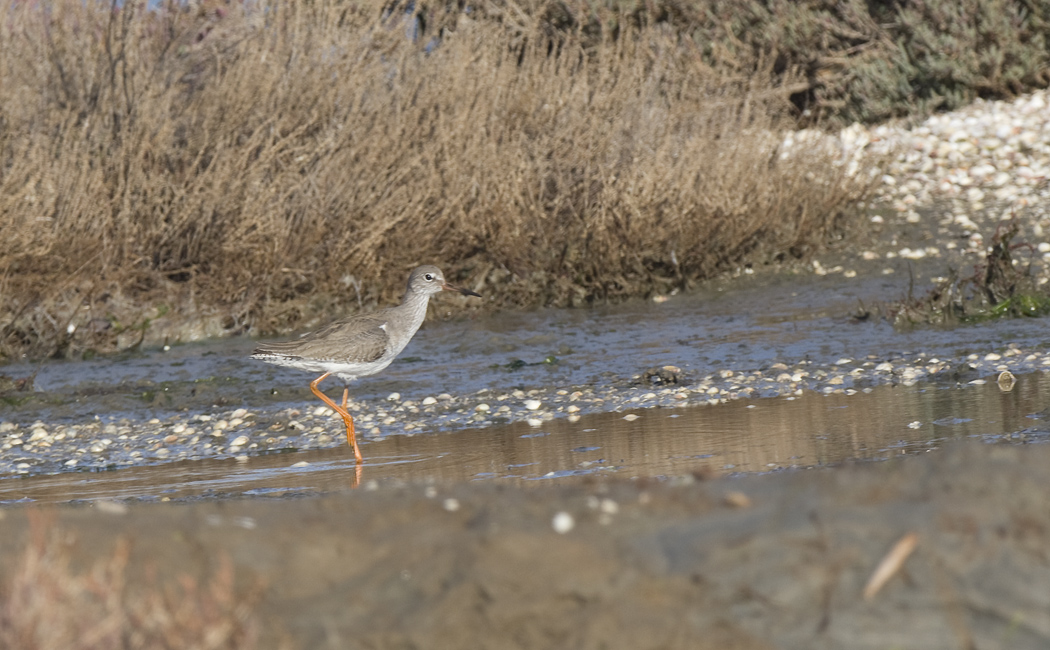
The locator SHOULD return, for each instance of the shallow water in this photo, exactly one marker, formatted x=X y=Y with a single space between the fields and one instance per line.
x=746 y=325
x=662 y=444
x=743 y=326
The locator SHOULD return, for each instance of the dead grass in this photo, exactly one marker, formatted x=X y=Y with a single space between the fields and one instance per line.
x=46 y=605
x=1002 y=285
x=268 y=161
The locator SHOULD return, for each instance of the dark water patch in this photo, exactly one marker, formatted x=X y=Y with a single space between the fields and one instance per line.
x=750 y=326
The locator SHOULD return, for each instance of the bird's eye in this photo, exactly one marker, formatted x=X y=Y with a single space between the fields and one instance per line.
x=429 y=277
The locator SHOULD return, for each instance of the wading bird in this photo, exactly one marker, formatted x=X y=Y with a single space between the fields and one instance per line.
x=362 y=344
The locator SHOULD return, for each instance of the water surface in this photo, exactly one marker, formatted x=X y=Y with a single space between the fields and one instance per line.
x=673 y=444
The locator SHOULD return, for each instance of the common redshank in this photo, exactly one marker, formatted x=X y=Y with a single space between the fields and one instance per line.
x=360 y=345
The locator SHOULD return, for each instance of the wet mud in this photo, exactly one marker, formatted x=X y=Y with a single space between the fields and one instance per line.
x=771 y=561
x=741 y=324
x=774 y=337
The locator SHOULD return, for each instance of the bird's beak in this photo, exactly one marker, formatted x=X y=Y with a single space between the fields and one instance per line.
x=465 y=292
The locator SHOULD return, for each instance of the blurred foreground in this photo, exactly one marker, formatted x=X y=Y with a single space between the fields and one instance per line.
x=758 y=562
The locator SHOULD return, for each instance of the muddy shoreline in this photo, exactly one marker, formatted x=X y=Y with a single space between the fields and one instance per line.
x=643 y=564
x=783 y=338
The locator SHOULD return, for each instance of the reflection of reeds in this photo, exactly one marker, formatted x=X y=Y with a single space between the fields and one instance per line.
x=812 y=430
x=258 y=160
x=45 y=604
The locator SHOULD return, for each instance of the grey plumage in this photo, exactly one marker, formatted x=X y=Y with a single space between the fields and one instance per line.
x=361 y=340
x=363 y=344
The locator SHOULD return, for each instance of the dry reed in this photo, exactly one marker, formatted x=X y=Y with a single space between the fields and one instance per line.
x=266 y=162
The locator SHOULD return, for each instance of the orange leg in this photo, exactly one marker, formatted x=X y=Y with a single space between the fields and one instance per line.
x=357 y=470
x=357 y=475
x=348 y=420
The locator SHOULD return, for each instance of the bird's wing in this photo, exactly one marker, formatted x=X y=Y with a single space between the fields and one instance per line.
x=358 y=339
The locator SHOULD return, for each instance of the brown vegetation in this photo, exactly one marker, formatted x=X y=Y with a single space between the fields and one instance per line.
x=1001 y=286
x=46 y=605
x=871 y=61
x=266 y=163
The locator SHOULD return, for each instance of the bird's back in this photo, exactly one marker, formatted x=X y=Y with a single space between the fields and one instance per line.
x=359 y=345
x=359 y=339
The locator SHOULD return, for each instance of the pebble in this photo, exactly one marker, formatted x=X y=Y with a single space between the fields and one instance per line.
x=968 y=169
x=111 y=507
x=998 y=149
x=533 y=404
x=563 y=522
x=736 y=499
